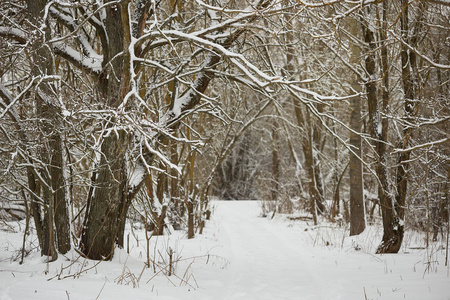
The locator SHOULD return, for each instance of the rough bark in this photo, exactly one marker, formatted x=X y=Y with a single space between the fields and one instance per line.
x=108 y=204
x=107 y=210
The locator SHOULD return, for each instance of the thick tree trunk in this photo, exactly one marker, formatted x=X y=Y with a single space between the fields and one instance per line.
x=159 y=216
x=56 y=216
x=108 y=207
x=109 y=203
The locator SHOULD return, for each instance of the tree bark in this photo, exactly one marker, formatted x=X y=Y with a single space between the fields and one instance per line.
x=56 y=216
x=108 y=207
x=275 y=162
x=191 y=194
x=388 y=213
x=357 y=208
x=394 y=214
x=109 y=202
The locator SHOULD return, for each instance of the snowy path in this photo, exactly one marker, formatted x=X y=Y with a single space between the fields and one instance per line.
x=282 y=260
x=264 y=264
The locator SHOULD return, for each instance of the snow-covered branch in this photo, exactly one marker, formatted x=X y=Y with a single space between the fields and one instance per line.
x=16 y=34
x=89 y=64
x=425 y=145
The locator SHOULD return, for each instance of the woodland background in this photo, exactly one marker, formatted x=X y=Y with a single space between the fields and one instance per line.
x=143 y=110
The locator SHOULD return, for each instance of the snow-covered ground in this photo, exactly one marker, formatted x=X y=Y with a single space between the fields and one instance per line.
x=239 y=256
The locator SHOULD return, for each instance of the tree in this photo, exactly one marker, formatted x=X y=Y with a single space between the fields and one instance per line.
x=99 y=40
x=45 y=169
x=357 y=203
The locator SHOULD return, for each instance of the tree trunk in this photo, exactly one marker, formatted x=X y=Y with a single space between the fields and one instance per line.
x=190 y=211
x=49 y=242
x=107 y=211
x=393 y=214
x=159 y=216
x=61 y=209
x=191 y=193
x=386 y=202
x=56 y=216
x=275 y=162
x=357 y=209
x=109 y=203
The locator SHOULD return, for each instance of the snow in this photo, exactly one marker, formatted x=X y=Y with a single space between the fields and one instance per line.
x=239 y=256
x=18 y=33
x=137 y=175
x=379 y=128
x=93 y=63
x=429 y=144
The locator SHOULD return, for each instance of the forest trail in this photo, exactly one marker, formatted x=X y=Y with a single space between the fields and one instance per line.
x=278 y=259
x=266 y=262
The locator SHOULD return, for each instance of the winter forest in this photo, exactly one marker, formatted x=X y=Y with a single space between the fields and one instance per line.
x=125 y=125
